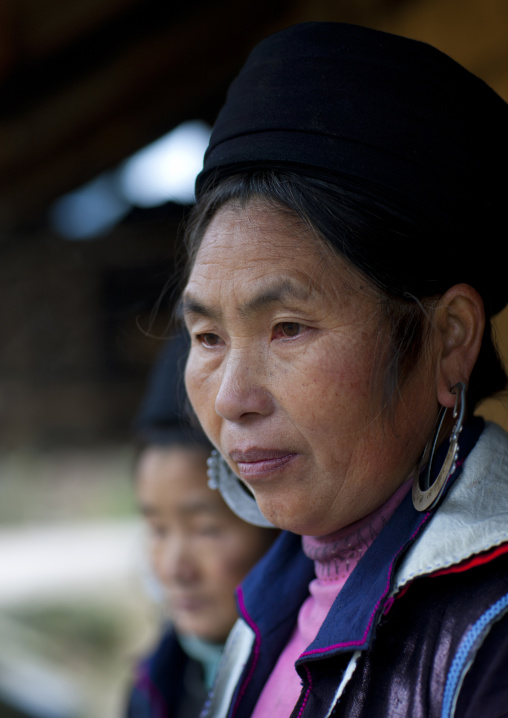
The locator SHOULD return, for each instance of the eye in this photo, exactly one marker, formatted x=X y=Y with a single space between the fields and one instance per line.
x=207 y=339
x=288 y=329
x=209 y=531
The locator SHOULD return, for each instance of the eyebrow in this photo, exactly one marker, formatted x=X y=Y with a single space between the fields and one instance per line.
x=190 y=305
x=277 y=293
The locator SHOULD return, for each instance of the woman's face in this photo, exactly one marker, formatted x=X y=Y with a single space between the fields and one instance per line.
x=199 y=549
x=284 y=373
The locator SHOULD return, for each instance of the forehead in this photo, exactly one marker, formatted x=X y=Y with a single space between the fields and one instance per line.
x=265 y=243
x=176 y=480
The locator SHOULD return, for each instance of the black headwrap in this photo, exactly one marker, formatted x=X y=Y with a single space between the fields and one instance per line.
x=392 y=115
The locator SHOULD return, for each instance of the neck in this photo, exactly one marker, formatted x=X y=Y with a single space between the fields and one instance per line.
x=336 y=555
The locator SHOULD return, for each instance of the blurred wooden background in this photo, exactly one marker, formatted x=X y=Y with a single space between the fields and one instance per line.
x=84 y=84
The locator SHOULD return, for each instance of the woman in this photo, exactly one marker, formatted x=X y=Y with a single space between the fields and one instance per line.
x=342 y=277
x=199 y=549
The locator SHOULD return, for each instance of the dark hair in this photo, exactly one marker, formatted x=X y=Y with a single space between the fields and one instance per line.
x=379 y=237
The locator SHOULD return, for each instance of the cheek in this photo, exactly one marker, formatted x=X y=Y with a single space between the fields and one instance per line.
x=201 y=390
x=229 y=564
x=332 y=389
x=156 y=557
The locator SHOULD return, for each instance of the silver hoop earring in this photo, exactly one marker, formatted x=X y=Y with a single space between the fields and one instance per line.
x=426 y=496
x=239 y=499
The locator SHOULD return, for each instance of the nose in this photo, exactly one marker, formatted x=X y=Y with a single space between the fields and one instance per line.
x=176 y=564
x=243 y=392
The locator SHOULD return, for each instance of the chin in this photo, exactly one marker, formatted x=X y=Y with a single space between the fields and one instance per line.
x=281 y=518
x=202 y=630
x=298 y=519
x=285 y=513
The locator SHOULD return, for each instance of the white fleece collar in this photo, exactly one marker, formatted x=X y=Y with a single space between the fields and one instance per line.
x=473 y=516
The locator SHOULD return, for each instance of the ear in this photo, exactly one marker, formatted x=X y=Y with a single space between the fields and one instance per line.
x=459 y=322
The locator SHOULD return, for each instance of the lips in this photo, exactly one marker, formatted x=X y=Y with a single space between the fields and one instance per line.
x=189 y=604
x=260 y=462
